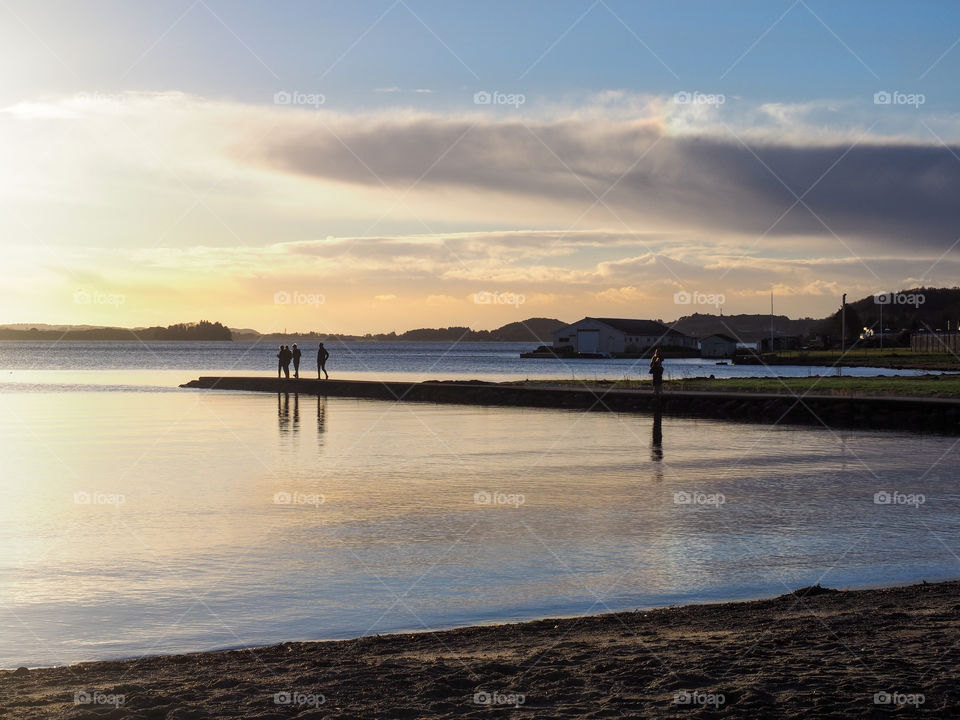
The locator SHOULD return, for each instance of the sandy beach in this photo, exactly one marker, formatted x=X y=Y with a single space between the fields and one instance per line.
x=812 y=653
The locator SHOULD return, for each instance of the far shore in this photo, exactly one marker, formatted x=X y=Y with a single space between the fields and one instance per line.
x=815 y=652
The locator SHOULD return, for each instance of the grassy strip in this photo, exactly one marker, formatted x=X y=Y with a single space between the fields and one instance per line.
x=873 y=357
x=929 y=386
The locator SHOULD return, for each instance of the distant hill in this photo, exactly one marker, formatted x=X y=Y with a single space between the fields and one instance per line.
x=914 y=309
x=905 y=310
x=909 y=310
x=529 y=330
x=202 y=330
x=744 y=328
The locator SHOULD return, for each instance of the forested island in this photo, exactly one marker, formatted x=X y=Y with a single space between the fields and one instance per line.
x=202 y=330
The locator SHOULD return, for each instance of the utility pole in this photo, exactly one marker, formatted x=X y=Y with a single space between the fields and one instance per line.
x=881 y=327
x=771 y=321
x=843 y=325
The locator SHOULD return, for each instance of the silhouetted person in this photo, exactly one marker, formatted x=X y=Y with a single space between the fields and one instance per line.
x=296 y=360
x=322 y=356
x=285 y=357
x=656 y=369
x=279 y=361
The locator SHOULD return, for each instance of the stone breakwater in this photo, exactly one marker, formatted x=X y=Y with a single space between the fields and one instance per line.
x=890 y=413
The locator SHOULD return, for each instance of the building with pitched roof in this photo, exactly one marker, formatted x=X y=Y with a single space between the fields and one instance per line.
x=613 y=336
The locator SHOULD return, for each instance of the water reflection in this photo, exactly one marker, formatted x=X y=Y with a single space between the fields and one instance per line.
x=797 y=502
x=288 y=419
x=656 y=443
x=321 y=417
x=284 y=419
x=283 y=411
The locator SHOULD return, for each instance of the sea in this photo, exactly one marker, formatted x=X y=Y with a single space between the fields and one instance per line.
x=139 y=518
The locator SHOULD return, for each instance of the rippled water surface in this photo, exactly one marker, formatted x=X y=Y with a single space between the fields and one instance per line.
x=155 y=522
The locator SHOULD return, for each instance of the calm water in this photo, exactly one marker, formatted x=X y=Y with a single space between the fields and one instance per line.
x=165 y=365
x=139 y=522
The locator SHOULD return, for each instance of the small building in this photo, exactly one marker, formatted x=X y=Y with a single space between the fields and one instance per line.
x=778 y=343
x=718 y=346
x=615 y=336
x=935 y=342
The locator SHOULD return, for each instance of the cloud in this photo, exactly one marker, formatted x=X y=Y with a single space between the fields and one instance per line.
x=186 y=198
x=875 y=189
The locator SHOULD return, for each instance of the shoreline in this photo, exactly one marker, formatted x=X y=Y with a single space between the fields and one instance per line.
x=810 y=652
x=509 y=622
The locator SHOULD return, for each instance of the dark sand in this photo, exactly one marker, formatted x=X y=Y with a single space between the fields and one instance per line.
x=815 y=653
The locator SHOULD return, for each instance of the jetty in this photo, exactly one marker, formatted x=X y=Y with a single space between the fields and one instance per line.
x=941 y=415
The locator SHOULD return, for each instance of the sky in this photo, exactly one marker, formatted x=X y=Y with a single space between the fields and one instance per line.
x=367 y=166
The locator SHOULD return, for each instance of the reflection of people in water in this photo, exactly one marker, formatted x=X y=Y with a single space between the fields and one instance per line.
x=656 y=444
x=296 y=412
x=283 y=411
x=321 y=416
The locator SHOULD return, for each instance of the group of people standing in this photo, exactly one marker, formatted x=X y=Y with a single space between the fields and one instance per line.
x=287 y=354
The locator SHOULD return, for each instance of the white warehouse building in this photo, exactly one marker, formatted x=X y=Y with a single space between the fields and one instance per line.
x=619 y=335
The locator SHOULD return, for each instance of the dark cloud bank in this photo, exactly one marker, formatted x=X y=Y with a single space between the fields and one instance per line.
x=898 y=195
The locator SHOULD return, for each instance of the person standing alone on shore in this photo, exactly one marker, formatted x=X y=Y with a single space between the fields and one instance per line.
x=322 y=356
x=296 y=360
x=656 y=369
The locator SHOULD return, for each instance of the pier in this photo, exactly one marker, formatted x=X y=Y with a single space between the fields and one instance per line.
x=830 y=411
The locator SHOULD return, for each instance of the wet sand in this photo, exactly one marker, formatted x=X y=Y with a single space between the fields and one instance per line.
x=813 y=653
